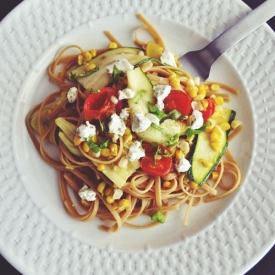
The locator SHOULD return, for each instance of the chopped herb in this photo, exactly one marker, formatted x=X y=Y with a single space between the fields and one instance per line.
x=139 y=95
x=156 y=111
x=175 y=114
x=96 y=147
x=190 y=132
x=102 y=126
x=158 y=217
x=173 y=140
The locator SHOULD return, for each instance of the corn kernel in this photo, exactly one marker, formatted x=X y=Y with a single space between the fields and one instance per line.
x=192 y=91
x=123 y=162
x=194 y=184
x=174 y=82
x=219 y=100
x=108 y=192
x=235 y=123
x=196 y=81
x=217 y=129
x=114 y=99
x=215 y=146
x=167 y=184
x=86 y=57
x=101 y=167
x=93 y=52
x=101 y=187
x=205 y=163
x=110 y=199
x=184 y=146
x=123 y=204
x=204 y=104
x=79 y=59
x=127 y=131
x=89 y=67
x=85 y=203
x=94 y=138
x=127 y=138
x=214 y=137
x=112 y=45
x=179 y=154
x=190 y=82
x=85 y=147
x=105 y=152
x=214 y=175
x=114 y=149
x=224 y=125
x=215 y=87
x=77 y=140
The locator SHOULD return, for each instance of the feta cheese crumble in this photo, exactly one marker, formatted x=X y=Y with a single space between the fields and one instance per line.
x=116 y=125
x=135 y=151
x=183 y=165
x=117 y=194
x=125 y=94
x=161 y=92
x=86 y=130
x=87 y=193
x=122 y=64
x=168 y=58
x=72 y=94
x=197 y=120
x=140 y=123
x=124 y=114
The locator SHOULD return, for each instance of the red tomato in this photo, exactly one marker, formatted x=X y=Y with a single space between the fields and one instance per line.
x=99 y=105
x=160 y=167
x=206 y=114
x=178 y=100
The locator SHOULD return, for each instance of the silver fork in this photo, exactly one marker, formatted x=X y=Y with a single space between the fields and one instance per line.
x=198 y=63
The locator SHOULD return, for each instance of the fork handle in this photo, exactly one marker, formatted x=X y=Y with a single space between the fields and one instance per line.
x=241 y=29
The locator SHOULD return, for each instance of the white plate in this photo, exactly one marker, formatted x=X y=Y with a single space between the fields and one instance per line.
x=225 y=237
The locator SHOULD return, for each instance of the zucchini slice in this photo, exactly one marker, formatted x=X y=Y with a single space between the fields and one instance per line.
x=202 y=151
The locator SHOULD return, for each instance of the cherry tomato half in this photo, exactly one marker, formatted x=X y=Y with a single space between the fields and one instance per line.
x=206 y=114
x=160 y=167
x=99 y=105
x=178 y=100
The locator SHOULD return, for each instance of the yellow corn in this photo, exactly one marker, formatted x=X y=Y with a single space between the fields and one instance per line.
x=214 y=137
x=79 y=59
x=215 y=87
x=112 y=45
x=201 y=91
x=105 y=152
x=123 y=162
x=127 y=131
x=94 y=138
x=204 y=104
x=101 y=187
x=77 y=140
x=224 y=125
x=174 y=81
x=214 y=175
x=93 y=52
x=217 y=130
x=89 y=67
x=114 y=149
x=215 y=146
x=192 y=91
x=123 y=204
x=108 y=192
x=167 y=184
x=235 y=123
x=100 y=167
x=85 y=203
x=179 y=154
x=110 y=199
x=193 y=184
x=127 y=138
x=205 y=163
x=219 y=100
x=86 y=56
x=85 y=147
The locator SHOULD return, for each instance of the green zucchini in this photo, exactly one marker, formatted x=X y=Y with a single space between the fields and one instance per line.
x=201 y=150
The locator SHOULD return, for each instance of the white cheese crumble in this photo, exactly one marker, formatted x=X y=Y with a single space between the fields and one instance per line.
x=117 y=194
x=197 y=120
x=161 y=92
x=125 y=94
x=168 y=58
x=140 y=123
x=122 y=64
x=72 y=94
x=153 y=118
x=87 y=193
x=124 y=114
x=183 y=165
x=86 y=130
x=116 y=125
x=135 y=151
